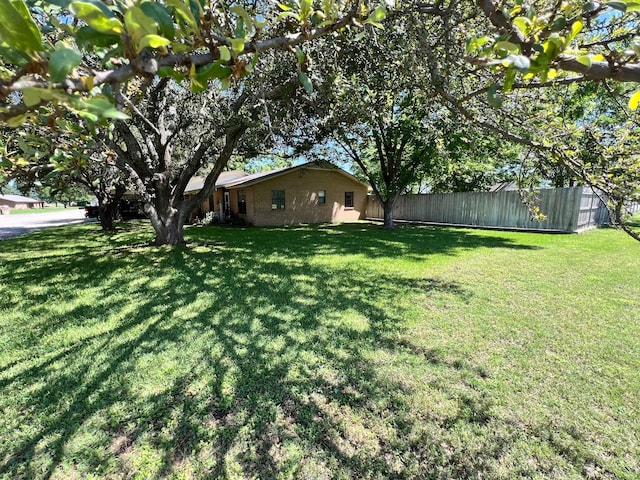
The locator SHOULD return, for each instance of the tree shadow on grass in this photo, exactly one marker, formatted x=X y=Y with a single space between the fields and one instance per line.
x=236 y=357
x=370 y=240
x=634 y=222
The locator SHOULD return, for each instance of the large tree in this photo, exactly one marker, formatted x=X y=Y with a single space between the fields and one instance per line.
x=173 y=134
x=71 y=54
x=389 y=118
x=381 y=114
x=470 y=159
x=72 y=154
x=59 y=51
x=130 y=62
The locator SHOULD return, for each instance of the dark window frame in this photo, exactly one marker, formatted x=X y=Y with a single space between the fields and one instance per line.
x=277 y=200
x=242 y=202
x=322 y=199
x=349 y=199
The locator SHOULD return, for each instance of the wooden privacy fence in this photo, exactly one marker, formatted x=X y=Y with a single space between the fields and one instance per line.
x=567 y=209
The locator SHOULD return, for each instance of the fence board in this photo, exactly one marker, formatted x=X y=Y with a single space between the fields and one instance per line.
x=567 y=209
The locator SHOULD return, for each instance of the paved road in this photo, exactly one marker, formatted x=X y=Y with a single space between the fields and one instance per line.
x=14 y=225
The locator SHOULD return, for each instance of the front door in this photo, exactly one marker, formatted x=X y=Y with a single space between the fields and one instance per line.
x=226 y=207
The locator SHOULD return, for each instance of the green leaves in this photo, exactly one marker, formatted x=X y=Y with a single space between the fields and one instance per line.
x=170 y=72
x=62 y=62
x=100 y=19
x=237 y=46
x=225 y=54
x=305 y=9
x=242 y=13
x=476 y=43
x=617 y=5
x=377 y=16
x=87 y=37
x=199 y=77
x=184 y=15
x=584 y=60
x=33 y=96
x=160 y=16
x=492 y=97
x=153 y=41
x=576 y=28
x=634 y=100
x=306 y=83
x=624 y=6
x=143 y=29
x=99 y=108
x=114 y=34
x=558 y=24
x=17 y=28
x=507 y=46
x=523 y=24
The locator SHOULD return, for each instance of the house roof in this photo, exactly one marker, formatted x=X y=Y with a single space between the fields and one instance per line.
x=255 y=177
x=504 y=186
x=19 y=199
x=196 y=183
x=262 y=176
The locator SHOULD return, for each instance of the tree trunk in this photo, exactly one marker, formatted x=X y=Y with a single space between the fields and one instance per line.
x=387 y=206
x=108 y=207
x=168 y=230
x=168 y=225
x=107 y=216
x=169 y=233
x=619 y=222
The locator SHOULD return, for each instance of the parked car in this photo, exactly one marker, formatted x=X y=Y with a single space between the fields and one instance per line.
x=91 y=211
x=127 y=210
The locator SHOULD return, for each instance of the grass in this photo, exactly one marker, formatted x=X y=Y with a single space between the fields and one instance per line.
x=320 y=352
x=28 y=211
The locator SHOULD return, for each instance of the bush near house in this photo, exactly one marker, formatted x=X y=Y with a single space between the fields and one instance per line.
x=328 y=351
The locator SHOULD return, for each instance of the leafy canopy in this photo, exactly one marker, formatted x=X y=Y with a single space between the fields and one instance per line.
x=72 y=53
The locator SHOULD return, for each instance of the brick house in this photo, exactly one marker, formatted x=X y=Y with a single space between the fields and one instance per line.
x=216 y=201
x=18 y=202
x=313 y=192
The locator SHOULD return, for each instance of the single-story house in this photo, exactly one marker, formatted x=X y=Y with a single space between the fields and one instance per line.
x=215 y=203
x=313 y=192
x=18 y=202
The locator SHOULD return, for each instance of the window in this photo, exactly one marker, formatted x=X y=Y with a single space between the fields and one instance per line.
x=242 y=202
x=322 y=197
x=348 y=199
x=277 y=199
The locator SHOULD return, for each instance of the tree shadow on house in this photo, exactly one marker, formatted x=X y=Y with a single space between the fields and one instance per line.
x=237 y=357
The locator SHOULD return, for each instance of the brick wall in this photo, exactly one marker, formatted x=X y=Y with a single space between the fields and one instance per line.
x=301 y=188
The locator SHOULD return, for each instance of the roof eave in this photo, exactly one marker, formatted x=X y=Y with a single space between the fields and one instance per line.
x=326 y=166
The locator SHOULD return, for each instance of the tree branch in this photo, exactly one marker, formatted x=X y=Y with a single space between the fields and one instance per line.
x=598 y=70
x=147 y=65
x=526 y=86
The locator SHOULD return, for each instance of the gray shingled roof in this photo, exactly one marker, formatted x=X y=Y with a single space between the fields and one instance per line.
x=19 y=199
x=258 y=177
x=196 y=183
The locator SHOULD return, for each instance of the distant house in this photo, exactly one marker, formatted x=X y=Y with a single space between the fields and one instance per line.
x=504 y=187
x=18 y=202
x=313 y=192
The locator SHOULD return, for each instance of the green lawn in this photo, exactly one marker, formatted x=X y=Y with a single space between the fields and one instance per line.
x=27 y=211
x=320 y=352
